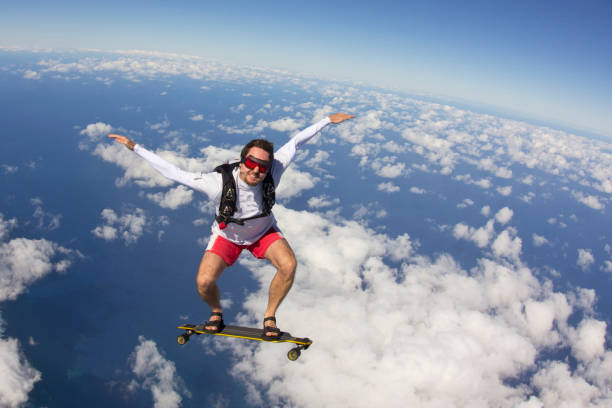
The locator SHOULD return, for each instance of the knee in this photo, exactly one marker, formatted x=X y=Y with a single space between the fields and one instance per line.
x=204 y=283
x=211 y=267
x=287 y=267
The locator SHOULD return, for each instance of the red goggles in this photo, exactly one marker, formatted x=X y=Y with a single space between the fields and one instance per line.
x=252 y=163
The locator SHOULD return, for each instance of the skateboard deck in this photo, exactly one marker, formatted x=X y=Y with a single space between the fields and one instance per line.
x=248 y=333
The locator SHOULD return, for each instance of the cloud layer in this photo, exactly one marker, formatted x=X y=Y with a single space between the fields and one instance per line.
x=420 y=331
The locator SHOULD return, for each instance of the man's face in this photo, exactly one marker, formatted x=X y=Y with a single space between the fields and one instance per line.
x=254 y=176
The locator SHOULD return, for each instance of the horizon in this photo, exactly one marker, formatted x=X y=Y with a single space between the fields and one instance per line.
x=549 y=61
x=461 y=103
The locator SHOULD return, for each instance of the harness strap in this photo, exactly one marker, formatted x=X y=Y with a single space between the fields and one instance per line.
x=227 y=206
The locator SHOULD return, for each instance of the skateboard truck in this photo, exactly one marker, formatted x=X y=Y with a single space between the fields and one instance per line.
x=295 y=352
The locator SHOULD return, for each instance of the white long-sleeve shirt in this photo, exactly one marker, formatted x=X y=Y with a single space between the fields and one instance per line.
x=249 y=202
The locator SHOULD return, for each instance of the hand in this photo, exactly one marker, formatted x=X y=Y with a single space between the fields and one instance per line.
x=123 y=140
x=340 y=117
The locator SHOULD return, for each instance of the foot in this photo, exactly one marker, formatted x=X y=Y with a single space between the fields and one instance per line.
x=271 y=332
x=215 y=324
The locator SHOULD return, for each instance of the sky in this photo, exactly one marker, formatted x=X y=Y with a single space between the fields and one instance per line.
x=547 y=61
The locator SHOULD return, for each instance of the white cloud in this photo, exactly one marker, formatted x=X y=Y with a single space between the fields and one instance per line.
x=95 y=131
x=197 y=118
x=416 y=190
x=322 y=202
x=480 y=236
x=160 y=127
x=557 y=386
x=286 y=125
x=252 y=129
x=465 y=203
x=393 y=147
x=319 y=112
x=294 y=182
x=173 y=198
x=388 y=187
x=528 y=180
x=157 y=374
x=590 y=339
x=365 y=213
x=465 y=336
x=356 y=130
x=390 y=170
x=45 y=219
x=488 y=164
x=539 y=240
x=486 y=210
x=6 y=226
x=585 y=259
x=505 y=191
x=238 y=108
x=607 y=266
x=17 y=376
x=504 y=215
x=213 y=156
x=588 y=200
x=528 y=197
x=130 y=226
x=321 y=156
x=482 y=183
x=507 y=244
x=426 y=140
x=106 y=232
x=29 y=74
x=6 y=169
x=24 y=261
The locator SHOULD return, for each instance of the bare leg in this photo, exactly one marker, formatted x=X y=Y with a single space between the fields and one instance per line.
x=211 y=268
x=283 y=259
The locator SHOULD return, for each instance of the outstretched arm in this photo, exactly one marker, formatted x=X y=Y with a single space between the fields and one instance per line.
x=286 y=153
x=207 y=183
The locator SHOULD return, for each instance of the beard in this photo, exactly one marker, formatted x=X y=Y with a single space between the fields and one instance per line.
x=250 y=179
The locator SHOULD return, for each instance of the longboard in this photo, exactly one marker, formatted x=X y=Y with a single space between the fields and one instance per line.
x=248 y=333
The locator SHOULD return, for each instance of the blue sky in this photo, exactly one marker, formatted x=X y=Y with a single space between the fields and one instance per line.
x=543 y=60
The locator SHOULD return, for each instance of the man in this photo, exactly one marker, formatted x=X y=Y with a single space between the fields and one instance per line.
x=244 y=195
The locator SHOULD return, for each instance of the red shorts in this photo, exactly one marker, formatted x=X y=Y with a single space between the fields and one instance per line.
x=230 y=251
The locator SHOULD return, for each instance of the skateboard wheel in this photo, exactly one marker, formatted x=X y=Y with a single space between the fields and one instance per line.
x=182 y=339
x=293 y=354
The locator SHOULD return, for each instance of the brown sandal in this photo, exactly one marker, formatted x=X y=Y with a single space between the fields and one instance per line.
x=268 y=329
x=217 y=324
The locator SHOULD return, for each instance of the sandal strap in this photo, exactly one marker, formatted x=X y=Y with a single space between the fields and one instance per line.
x=220 y=314
x=271 y=330
x=214 y=323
